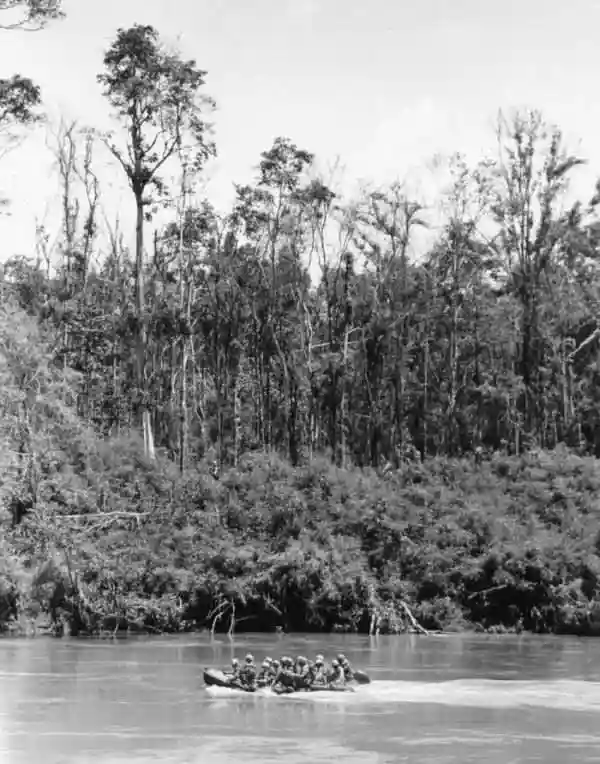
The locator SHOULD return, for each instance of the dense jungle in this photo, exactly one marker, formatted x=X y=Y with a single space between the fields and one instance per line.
x=311 y=413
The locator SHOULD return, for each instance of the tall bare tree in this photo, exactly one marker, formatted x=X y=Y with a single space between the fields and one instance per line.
x=157 y=98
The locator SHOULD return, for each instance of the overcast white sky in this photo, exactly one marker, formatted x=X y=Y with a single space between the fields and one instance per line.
x=382 y=84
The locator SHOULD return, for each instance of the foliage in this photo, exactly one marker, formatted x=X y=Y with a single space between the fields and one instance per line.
x=33 y=14
x=398 y=437
x=157 y=95
x=18 y=99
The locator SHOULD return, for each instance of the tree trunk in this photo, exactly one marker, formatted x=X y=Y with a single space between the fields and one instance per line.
x=236 y=420
x=183 y=418
x=142 y=334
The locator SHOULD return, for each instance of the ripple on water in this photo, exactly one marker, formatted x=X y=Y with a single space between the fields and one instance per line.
x=260 y=750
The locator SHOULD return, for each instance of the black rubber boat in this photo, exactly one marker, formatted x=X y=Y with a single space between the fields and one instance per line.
x=325 y=688
x=217 y=678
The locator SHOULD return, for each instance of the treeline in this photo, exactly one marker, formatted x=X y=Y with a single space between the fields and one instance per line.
x=480 y=344
x=301 y=436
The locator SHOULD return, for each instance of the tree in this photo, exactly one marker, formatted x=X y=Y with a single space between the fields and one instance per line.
x=532 y=176
x=19 y=96
x=272 y=216
x=73 y=149
x=19 y=99
x=387 y=220
x=457 y=265
x=34 y=14
x=157 y=97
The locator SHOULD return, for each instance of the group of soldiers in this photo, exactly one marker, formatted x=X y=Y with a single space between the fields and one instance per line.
x=288 y=675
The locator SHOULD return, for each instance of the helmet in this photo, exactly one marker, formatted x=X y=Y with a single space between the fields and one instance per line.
x=320 y=659
x=335 y=663
x=249 y=658
x=341 y=658
x=268 y=660
x=235 y=662
x=276 y=663
x=265 y=663
x=301 y=660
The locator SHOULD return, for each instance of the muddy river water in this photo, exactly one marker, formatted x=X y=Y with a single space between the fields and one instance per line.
x=450 y=699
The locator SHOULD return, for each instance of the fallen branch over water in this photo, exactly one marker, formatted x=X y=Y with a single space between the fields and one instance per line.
x=232 y=621
x=414 y=623
x=217 y=614
x=388 y=619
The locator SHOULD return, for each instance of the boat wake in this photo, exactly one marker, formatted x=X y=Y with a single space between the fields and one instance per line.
x=567 y=695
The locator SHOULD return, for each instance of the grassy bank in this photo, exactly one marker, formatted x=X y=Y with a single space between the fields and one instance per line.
x=508 y=544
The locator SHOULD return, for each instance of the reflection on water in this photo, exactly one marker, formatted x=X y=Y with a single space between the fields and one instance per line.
x=433 y=699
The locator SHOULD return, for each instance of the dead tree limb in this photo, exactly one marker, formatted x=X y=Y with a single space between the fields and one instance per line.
x=413 y=621
x=232 y=621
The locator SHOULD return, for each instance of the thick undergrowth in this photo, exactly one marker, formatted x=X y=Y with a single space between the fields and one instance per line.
x=507 y=545
x=95 y=538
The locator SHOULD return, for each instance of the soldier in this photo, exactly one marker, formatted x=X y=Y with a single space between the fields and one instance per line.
x=247 y=675
x=336 y=675
x=284 y=680
x=302 y=673
x=346 y=667
x=320 y=672
x=264 y=677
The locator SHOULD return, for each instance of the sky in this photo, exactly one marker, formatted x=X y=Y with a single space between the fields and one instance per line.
x=380 y=86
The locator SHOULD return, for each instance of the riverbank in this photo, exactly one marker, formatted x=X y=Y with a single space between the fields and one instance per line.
x=507 y=544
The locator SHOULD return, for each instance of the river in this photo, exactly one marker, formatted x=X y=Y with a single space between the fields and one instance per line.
x=433 y=700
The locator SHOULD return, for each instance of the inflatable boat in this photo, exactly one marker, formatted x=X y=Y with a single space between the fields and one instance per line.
x=318 y=688
x=217 y=678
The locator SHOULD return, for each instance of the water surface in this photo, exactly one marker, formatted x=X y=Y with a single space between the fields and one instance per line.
x=438 y=699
